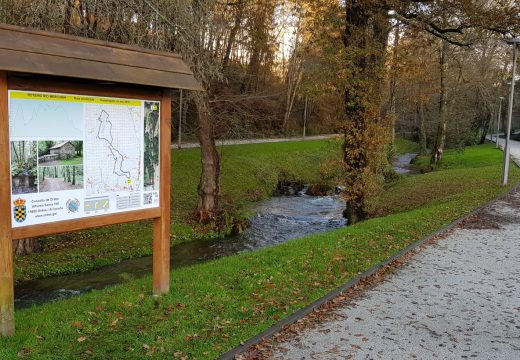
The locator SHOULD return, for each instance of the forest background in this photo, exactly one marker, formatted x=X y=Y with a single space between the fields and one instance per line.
x=430 y=71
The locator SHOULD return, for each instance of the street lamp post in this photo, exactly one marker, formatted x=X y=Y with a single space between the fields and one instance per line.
x=515 y=42
x=499 y=119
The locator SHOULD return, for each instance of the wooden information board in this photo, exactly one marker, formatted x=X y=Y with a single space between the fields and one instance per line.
x=76 y=156
x=83 y=149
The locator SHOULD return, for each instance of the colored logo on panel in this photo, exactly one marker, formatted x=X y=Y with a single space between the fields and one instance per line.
x=19 y=210
x=73 y=205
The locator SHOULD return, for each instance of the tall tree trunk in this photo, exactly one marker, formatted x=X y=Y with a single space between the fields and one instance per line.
x=440 y=138
x=393 y=79
x=26 y=246
x=421 y=126
x=485 y=131
x=293 y=80
x=259 y=45
x=209 y=185
x=365 y=39
x=253 y=69
x=69 y=4
x=239 y=10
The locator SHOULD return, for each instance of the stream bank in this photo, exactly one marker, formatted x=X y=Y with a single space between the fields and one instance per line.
x=277 y=220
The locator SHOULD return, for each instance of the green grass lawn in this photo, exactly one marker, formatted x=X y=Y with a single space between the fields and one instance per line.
x=249 y=173
x=403 y=146
x=78 y=160
x=214 y=306
x=461 y=174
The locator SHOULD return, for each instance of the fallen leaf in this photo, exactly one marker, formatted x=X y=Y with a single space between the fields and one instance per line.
x=24 y=352
x=82 y=338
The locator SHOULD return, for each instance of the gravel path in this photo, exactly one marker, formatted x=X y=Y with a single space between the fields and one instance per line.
x=256 y=141
x=457 y=299
x=56 y=184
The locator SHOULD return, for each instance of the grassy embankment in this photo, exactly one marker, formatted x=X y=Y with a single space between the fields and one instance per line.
x=403 y=146
x=78 y=160
x=216 y=305
x=249 y=173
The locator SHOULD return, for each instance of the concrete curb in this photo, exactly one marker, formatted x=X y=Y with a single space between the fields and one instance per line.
x=353 y=282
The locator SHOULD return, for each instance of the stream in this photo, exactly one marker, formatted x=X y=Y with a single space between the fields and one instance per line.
x=277 y=220
x=402 y=164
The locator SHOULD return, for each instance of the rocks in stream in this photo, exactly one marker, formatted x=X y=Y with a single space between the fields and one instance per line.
x=318 y=190
x=288 y=188
x=292 y=188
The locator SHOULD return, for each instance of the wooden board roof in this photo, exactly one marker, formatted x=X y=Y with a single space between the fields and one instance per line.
x=45 y=53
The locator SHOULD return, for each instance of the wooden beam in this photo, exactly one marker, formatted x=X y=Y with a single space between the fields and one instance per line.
x=161 y=232
x=65 y=226
x=81 y=87
x=43 y=64
x=6 y=245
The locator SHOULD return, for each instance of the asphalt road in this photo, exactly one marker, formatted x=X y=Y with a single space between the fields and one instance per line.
x=515 y=147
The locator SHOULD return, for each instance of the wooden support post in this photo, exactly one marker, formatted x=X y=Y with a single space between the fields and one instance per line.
x=161 y=231
x=6 y=241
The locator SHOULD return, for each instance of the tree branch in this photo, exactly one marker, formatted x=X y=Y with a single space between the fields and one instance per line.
x=434 y=29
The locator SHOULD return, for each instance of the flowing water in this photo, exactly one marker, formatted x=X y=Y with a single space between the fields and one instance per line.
x=277 y=220
x=402 y=164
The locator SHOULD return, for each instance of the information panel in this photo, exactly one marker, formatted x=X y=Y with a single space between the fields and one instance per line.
x=75 y=156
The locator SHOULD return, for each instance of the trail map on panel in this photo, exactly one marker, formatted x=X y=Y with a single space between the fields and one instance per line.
x=113 y=142
x=75 y=156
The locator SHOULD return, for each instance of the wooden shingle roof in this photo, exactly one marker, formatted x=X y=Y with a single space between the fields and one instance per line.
x=39 y=52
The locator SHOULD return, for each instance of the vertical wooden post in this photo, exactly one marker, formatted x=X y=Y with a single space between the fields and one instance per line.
x=161 y=227
x=6 y=241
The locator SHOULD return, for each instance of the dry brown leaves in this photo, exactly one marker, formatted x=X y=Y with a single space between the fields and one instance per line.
x=481 y=220
x=327 y=311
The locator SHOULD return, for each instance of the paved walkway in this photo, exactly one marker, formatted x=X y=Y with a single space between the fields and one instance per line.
x=515 y=147
x=256 y=141
x=457 y=299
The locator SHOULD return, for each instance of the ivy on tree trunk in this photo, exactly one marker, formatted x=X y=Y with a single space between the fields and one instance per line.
x=366 y=132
